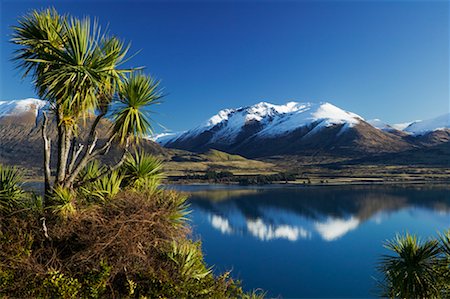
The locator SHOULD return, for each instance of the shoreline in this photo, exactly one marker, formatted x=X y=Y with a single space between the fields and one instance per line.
x=35 y=185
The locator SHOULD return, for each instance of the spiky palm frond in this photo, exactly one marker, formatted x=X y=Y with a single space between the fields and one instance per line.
x=177 y=203
x=187 y=256
x=445 y=242
x=444 y=268
x=62 y=202
x=11 y=192
x=74 y=64
x=413 y=271
x=37 y=34
x=104 y=188
x=132 y=117
x=92 y=170
x=142 y=171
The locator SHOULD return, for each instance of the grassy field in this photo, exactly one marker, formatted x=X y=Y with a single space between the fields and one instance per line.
x=185 y=168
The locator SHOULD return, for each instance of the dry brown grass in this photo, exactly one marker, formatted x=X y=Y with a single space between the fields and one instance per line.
x=129 y=233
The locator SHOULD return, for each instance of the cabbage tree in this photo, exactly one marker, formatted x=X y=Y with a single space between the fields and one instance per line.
x=77 y=68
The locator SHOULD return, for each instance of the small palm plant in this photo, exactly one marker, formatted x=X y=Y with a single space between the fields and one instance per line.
x=445 y=262
x=142 y=170
x=106 y=187
x=413 y=270
x=62 y=202
x=91 y=171
x=188 y=258
x=11 y=192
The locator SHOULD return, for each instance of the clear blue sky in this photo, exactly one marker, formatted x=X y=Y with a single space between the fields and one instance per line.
x=380 y=59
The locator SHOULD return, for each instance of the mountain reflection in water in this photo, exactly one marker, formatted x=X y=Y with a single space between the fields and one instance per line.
x=293 y=214
x=289 y=240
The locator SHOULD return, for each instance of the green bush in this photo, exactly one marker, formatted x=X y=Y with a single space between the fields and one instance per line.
x=103 y=188
x=11 y=192
x=142 y=171
x=133 y=245
x=416 y=269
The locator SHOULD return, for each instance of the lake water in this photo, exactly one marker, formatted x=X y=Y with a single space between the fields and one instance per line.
x=310 y=241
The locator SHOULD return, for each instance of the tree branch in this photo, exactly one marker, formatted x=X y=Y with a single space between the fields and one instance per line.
x=90 y=145
x=105 y=148
x=76 y=151
x=109 y=168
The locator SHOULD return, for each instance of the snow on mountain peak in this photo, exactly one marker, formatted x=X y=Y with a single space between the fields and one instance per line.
x=274 y=119
x=429 y=125
x=304 y=114
x=17 y=107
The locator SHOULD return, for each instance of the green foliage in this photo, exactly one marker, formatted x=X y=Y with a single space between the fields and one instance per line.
x=62 y=202
x=92 y=170
x=142 y=171
x=104 y=188
x=11 y=192
x=132 y=117
x=217 y=175
x=58 y=285
x=73 y=63
x=266 y=179
x=130 y=243
x=189 y=260
x=415 y=269
x=95 y=281
x=178 y=207
x=6 y=279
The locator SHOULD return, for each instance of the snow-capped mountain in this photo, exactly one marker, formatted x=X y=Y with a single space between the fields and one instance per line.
x=381 y=125
x=21 y=107
x=268 y=129
x=275 y=120
x=425 y=126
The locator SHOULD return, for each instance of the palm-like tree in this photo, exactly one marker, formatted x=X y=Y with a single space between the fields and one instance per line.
x=76 y=68
x=413 y=270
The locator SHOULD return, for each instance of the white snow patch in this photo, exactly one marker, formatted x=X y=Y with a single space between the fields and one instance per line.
x=164 y=138
x=429 y=125
x=266 y=232
x=334 y=228
x=220 y=223
x=402 y=126
x=17 y=107
x=275 y=120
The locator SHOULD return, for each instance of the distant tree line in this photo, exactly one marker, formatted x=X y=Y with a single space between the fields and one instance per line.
x=225 y=176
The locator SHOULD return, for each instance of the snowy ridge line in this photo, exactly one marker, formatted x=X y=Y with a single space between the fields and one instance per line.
x=17 y=107
x=275 y=120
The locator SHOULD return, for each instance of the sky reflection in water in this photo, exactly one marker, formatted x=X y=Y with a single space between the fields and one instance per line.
x=294 y=241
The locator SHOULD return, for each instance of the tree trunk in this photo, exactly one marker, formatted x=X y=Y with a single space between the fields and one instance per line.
x=66 y=150
x=47 y=153
x=59 y=172
x=64 y=142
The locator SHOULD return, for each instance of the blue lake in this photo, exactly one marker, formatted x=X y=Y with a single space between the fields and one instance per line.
x=299 y=242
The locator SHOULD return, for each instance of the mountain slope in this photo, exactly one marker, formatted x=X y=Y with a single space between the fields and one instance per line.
x=21 y=140
x=441 y=122
x=265 y=129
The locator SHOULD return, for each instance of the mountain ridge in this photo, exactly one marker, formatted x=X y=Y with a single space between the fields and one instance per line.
x=266 y=129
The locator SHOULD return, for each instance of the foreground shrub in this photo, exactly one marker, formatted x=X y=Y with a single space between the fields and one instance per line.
x=11 y=192
x=417 y=269
x=103 y=188
x=142 y=171
x=133 y=245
